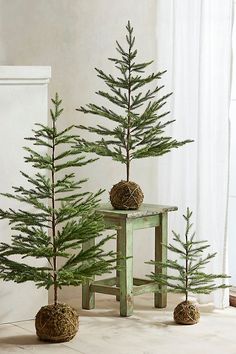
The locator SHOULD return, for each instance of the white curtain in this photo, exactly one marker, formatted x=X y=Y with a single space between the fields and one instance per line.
x=194 y=45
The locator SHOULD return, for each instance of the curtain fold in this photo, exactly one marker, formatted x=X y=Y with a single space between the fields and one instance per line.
x=194 y=45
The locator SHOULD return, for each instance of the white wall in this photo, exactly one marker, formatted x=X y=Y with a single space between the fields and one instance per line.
x=73 y=37
x=23 y=100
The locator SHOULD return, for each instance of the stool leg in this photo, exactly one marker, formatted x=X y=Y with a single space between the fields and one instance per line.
x=125 y=240
x=88 y=297
x=118 y=264
x=161 y=237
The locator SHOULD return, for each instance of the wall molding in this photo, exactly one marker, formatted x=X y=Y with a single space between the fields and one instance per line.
x=24 y=75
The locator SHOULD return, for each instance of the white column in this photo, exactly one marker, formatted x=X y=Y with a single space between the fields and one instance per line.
x=23 y=102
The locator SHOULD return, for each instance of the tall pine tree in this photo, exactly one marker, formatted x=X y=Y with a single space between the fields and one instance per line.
x=138 y=122
x=61 y=218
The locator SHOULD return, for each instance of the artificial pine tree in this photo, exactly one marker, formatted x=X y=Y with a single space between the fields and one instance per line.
x=190 y=276
x=138 y=130
x=61 y=218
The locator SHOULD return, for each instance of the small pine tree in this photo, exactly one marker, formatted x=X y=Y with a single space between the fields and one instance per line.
x=137 y=133
x=62 y=219
x=190 y=276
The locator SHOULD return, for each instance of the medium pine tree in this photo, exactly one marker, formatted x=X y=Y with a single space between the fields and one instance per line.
x=138 y=132
x=61 y=218
x=190 y=277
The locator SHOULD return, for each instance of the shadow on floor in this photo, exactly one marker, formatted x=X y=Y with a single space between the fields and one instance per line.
x=111 y=308
x=26 y=339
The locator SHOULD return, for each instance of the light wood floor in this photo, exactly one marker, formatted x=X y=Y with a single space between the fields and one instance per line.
x=148 y=331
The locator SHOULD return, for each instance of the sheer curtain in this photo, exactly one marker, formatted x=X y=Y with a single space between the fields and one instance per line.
x=194 y=45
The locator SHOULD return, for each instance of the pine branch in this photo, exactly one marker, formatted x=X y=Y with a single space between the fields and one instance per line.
x=77 y=162
x=21 y=217
x=102 y=149
x=139 y=99
x=89 y=227
x=37 y=160
x=92 y=254
x=20 y=272
x=118 y=100
x=41 y=183
x=84 y=272
x=101 y=111
x=159 y=149
x=43 y=132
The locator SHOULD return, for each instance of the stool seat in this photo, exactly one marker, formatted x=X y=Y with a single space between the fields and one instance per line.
x=144 y=210
x=124 y=286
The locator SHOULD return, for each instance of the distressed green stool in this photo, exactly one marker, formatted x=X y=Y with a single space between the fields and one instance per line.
x=124 y=286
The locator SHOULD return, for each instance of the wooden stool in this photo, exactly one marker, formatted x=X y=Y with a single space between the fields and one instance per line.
x=124 y=286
